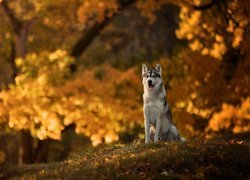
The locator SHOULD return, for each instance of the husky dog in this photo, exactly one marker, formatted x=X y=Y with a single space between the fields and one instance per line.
x=157 y=115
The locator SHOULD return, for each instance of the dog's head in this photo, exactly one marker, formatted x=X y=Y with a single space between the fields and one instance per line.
x=151 y=77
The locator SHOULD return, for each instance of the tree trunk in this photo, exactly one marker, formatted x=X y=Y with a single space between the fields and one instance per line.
x=12 y=61
x=230 y=63
x=19 y=49
x=41 y=152
x=26 y=144
x=25 y=148
x=20 y=42
x=25 y=155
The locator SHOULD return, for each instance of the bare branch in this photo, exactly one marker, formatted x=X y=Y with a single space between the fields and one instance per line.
x=203 y=6
x=88 y=37
x=206 y=6
x=15 y=22
x=229 y=15
x=92 y=32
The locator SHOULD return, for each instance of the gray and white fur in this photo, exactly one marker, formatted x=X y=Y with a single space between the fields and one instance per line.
x=157 y=115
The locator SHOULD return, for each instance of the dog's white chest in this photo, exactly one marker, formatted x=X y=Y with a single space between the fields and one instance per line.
x=154 y=105
x=152 y=110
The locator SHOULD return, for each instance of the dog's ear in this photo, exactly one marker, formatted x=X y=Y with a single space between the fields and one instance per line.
x=158 y=68
x=144 y=68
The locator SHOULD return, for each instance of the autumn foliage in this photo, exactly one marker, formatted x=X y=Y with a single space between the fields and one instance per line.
x=46 y=98
x=46 y=87
x=233 y=119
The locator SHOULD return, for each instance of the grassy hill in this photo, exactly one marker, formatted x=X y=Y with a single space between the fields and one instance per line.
x=195 y=159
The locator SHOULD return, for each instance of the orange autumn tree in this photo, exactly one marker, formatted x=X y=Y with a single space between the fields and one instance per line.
x=46 y=98
x=214 y=70
x=30 y=27
x=234 y=119
x=217 y=66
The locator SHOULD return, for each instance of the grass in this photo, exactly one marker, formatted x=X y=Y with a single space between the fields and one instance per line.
x=193 y=160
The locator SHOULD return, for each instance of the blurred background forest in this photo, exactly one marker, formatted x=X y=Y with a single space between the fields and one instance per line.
x=70 y=71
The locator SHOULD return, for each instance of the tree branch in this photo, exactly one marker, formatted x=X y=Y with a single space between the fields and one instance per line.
x=201 y=7
x=12 y=60
x=16 y=24
x=229 y=16
x=206 y=6
x=88 y=37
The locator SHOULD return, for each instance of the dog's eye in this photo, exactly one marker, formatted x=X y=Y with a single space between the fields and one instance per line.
x=147 y=76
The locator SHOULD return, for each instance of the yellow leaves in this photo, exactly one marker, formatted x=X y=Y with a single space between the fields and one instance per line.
x=26 y=10
x=19 y=62
x=42 y=79
x=210 y=32
x=193 y=29
x=195 y=45
x=193 y=95
x=237 y=24
x=58 y=54
x=96 y=140
x=100 y=138
x=190 y=24
x=194 y=19
x=238 y=37
x=28 y=104
x=218 y=50
x=230 y=118
x=96 y=10
x=192 y=109
x=197 y=2
x=50 y=120
x=100 y=113
x=227 y=111
x=219 y=38
x=109 y=138
x=180 y=104
x=51 y=126
x=46 y=100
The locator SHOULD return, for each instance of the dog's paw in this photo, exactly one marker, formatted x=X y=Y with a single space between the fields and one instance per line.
x=183 y=140
x=156 y=139
x=147 y=141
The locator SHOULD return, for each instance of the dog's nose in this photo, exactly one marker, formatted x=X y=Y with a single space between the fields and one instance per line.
x=149 y=81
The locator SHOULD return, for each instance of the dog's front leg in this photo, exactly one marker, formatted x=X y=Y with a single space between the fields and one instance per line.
x=157 y=130
x=147 y=129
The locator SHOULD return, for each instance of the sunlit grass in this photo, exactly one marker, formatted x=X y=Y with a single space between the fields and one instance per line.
x=195 y=159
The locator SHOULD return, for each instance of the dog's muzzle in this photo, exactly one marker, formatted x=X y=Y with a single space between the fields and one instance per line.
x=150 y=84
